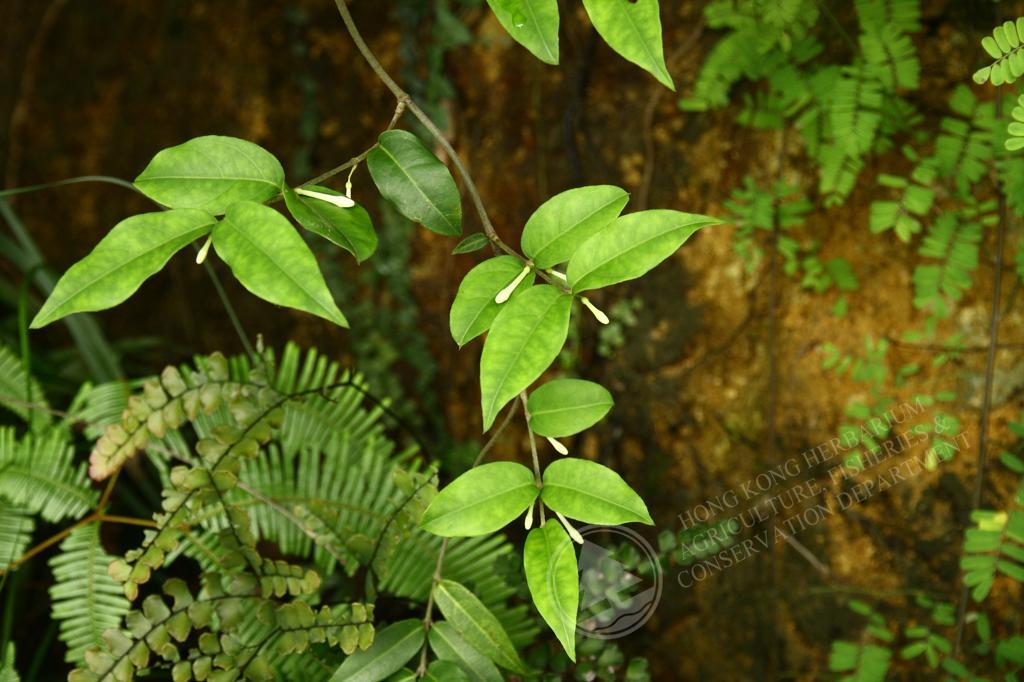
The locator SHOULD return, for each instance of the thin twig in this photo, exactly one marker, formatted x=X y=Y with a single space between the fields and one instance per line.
x=939 y=348
x=402 y=96
x=986 y=399
x=533 y=439
x=429 y=611
x=494 y=437
x=359 y=158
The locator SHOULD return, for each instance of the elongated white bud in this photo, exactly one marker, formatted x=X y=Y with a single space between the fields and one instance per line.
x=559 y=275
x=529 y=517
x=336 y=199
x=559 y=448
x=506 y=293
x=573 y=533
x=203 y=250
x=598 y=313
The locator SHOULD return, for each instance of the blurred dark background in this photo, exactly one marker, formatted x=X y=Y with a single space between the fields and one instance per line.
x=97 y=87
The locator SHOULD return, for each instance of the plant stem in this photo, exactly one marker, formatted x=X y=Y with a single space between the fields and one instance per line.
x=358 y=159
x=986 y=398
x=402 y=96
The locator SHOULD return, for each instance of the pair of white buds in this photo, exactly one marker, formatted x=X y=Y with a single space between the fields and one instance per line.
x=336 y=199
x=506 y=294
x=573 y=533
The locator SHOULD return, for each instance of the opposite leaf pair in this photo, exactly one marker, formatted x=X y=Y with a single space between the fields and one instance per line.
x=630 y=27
x=214 y=175
x=486 y=498
x=528 y=324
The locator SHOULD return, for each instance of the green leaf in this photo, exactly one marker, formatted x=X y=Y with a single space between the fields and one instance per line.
x=349 y=228
x=531 y=23
x=136 y=248
x=445 y=671
x=525 y=338
x=633 y=29
x=211 y=173
x=473 y=242
x=420 y=186
x=481 y=501
x=474 y=309
x=448 y=645
x=631 y=247
x=564 y=407
x=552 y=575
x=477 y=624
x=563 y=222
x=391 y=648
x=271 y=260
x=592 y=493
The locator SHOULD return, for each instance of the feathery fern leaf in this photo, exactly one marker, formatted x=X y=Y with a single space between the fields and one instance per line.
x=85 y=600
x=39 y=473
x=19 y=391
x=16 y=526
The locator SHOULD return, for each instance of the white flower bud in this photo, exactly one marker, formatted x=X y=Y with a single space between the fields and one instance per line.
x=559 y=448
x=506 y=293
x=336 y=199
x=529 y=517
x=203 y=251
x=598 y=313
x=573 y=533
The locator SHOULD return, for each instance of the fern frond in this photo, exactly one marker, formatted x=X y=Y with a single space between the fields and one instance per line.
x=1015 y=130
x=100 y=405
x=839 y=172
x=994 y=545
x=16 y=526
x=1004 y=46
x=868 y=659
x=891 y=57
x=39 y=473
x=955 y=244
x=856 y=110
x=964 y=148
x=18 y=391
x=904 y=215
x=903 y=15
x=85 y=600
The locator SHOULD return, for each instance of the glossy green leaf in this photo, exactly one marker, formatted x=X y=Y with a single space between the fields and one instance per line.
x=132 y=251
x=473 y=242
x=404 y=675
x=549 y=559
x=477 y=625
x=349 y=228
x=474 y=309
x=563 y=222
x=211 y=173
x=445 y=671
x=412 y=178
x=481 y=501
x=630 y=247
x=531 y=23
x=524 y=339
x=592 y=493
x=633 y=29
x=448 y=645
x=564 y=407
x=271 y=260
x=392 y=647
